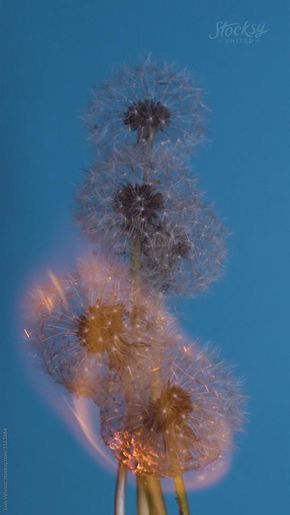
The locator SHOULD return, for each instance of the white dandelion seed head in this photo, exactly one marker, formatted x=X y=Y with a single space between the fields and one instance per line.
x=151 y=197
x=148 y=102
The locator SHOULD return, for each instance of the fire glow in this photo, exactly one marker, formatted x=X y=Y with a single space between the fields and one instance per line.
x=81 y=414
x=86 y=417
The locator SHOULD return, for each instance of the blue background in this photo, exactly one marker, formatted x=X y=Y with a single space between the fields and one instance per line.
x=52 y=53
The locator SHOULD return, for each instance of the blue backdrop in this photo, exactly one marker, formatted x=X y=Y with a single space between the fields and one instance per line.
x=52 y=53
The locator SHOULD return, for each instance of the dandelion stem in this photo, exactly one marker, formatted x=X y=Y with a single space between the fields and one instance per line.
x=157 y=502
x=181 y=495
x=120 y=490
x=150 y=500
x=143 y=507
x=135 y=264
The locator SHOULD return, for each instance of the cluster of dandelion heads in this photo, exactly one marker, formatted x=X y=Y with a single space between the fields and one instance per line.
x=150 y=197
x=88 y=323
x=101 y=330
x=184 y=420
x=145 y=103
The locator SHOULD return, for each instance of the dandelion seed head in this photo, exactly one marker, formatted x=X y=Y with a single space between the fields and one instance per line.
x=148 y=101
x=152 y=197
x=99 y=325
x=146 y=117
x=185 y=418
x=138 y=204
x=81 y=326
x=170 y=408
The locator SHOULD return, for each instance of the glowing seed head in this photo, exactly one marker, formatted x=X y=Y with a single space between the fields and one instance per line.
x=170 y=409
x=190 y=411
x=99 y=325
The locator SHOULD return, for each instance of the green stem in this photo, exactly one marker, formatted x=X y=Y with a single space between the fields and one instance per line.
x=181 y=495
x=143 y=507
x=120 y=490
x=156 y=496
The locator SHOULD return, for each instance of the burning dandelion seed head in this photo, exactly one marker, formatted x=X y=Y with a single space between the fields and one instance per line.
x=152 y=100
x=100 y=324
x=81 y=326
x=184 y=420
x=171 y=407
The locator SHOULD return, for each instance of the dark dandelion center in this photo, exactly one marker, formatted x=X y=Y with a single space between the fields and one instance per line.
x=101 y=326
x=138 y=203
x=170 y=245
x=181 y=247
x=171 y=408
x=145 y=115
x=179 y=244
